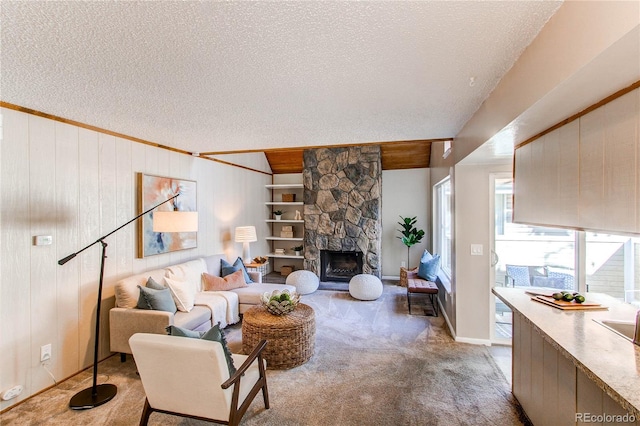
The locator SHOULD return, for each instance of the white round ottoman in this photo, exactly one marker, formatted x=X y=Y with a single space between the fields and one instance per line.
x=305 y=282
x=365 y=287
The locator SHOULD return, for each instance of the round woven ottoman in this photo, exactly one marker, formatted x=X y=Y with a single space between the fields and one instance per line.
x=365 y=287
x=305 y=282
x=291 y=338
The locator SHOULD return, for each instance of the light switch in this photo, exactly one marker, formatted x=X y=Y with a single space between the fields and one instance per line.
x=42 y=240
x=476 y=249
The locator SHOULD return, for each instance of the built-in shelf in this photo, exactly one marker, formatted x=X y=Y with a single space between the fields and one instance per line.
x=275 y=240
x=284 y=239
x=285 y=186
x=285 y=256
x=284 y=203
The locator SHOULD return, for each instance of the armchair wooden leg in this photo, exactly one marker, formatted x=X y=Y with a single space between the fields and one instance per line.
x=265 y=391
x=123 y=357
x=146 y=412
x=265 y=394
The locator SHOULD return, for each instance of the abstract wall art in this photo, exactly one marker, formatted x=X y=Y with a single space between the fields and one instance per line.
x=153 y=190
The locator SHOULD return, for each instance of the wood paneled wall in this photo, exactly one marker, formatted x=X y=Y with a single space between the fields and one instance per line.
x=76 y=185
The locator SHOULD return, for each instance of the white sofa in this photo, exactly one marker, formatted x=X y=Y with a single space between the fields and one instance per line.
x=210 y=307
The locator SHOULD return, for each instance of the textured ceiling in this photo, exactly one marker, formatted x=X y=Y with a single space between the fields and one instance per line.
x=212 y=76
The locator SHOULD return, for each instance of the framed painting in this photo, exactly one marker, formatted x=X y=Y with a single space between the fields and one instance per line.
x=153 y=190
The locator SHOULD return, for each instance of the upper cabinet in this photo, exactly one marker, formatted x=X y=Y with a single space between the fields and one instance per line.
x=585 y=174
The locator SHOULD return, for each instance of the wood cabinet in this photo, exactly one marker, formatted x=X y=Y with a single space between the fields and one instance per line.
x=549 y=387
x=543 y=379
x=585 y=174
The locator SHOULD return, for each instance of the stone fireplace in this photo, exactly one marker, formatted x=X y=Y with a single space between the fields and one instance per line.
x=342 y=205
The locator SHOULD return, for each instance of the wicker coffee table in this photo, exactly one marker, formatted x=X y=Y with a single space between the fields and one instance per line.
x=290 y=338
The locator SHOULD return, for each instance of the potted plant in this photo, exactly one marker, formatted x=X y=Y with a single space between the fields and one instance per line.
x=409 y=234
x=278 y=214
x=297 y=250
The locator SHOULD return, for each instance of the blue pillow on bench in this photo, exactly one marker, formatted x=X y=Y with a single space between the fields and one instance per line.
x=429 y=269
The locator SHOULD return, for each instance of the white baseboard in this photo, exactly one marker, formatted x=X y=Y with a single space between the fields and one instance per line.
x=446 y=318
x=484 y=342
x=391 y=277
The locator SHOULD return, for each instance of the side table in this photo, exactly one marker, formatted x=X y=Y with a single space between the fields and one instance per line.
x=263 y=268
x=290 y=338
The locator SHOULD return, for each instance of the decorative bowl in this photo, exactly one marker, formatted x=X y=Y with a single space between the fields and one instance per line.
x=280 y=302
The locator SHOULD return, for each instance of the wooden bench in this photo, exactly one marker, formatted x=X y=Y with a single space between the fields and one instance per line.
x=417 y=285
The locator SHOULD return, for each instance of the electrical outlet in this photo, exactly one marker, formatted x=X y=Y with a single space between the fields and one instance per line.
x=45 y=352
x=403 y=264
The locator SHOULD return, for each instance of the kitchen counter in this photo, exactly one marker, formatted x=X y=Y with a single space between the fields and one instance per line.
x=608 y=359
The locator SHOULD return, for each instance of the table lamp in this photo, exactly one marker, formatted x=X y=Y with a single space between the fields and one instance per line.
x=246 y=235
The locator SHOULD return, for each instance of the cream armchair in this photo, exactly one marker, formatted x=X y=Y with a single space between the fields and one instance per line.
x=189 y=377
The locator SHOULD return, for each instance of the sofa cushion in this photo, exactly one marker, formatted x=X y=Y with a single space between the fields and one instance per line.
x=127 y=292
x=227 y=269
x=189 y=271
x=156 y=300
x=183 y=292
x=250 y=295
x=231 y=281
x=194 y=319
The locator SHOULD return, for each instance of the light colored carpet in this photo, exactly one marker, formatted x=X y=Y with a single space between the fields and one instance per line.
x=374 y=365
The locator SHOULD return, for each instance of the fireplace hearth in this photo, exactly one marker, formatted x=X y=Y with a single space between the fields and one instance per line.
x=340 y=266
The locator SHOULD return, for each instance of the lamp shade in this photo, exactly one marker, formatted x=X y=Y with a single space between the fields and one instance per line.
x=246 y=234
x=175 y=221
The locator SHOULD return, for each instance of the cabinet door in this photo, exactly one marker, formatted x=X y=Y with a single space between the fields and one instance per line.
x=592 y=169
x=568 y=174
x=522 y=190
x=548 y=188
x=620 y=139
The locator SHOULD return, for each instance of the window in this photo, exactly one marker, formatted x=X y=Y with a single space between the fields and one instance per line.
x=530 y=255
x=443 y=220
x=611 y=263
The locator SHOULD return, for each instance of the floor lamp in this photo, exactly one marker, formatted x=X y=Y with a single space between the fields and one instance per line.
x=99 y=394
x=246 y=235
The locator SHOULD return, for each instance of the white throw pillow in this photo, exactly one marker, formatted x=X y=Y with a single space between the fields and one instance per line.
x=183 y=292
x=188 y=271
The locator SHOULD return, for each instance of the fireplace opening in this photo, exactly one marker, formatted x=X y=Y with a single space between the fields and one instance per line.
x=340 y=265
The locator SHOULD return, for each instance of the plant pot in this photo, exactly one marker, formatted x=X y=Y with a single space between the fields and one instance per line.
x=278 y=216
x=298 y=253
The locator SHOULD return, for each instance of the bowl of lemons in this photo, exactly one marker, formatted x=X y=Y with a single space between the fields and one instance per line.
x=280 y=302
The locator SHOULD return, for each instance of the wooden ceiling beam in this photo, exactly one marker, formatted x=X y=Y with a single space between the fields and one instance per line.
x=396 y=155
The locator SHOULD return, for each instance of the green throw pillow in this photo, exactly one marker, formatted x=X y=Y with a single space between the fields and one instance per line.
x=157 y=300
x=214 y=334
x=174 y=330
x=151 y=283
x=226 y=269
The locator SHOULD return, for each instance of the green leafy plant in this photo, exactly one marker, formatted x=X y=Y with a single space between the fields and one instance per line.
x=278 y=212
x=297 y=248
x=409 y=234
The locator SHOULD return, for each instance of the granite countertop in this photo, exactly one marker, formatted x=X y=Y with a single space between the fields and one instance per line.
x=607 y=358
